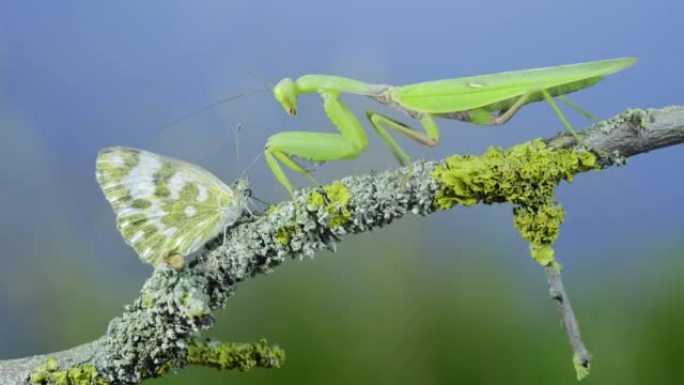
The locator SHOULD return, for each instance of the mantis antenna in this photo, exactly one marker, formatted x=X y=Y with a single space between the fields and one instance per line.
x=260 y=78
x=209 y=107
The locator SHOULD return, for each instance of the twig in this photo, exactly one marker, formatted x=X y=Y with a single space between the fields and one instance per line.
x=153 y=333
x=582 y=357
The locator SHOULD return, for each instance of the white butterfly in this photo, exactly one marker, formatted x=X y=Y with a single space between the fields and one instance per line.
x=166 y=208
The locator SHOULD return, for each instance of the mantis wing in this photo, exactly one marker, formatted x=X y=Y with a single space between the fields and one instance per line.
x=499 y=91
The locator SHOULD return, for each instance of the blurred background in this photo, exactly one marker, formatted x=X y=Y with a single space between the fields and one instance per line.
x=451 y=298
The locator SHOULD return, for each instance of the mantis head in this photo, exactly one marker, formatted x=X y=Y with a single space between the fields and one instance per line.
x=285 y=93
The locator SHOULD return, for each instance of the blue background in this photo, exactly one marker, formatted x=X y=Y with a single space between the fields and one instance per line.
x=452 y=297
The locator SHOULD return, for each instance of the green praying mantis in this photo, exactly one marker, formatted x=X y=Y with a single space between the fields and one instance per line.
x=491 y=99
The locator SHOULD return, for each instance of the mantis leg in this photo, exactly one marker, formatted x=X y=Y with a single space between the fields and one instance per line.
x=579 y=109
x=429 y=138
x=316 y=146
x=560 y=115
x=508 y=114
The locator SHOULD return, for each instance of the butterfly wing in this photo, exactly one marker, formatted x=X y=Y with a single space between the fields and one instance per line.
x=165 y=208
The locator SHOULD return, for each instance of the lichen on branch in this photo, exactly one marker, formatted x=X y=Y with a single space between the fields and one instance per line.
x=241 y=356
x=525 y=175
x=49 y=373
x=209 y=353
x=156 y=332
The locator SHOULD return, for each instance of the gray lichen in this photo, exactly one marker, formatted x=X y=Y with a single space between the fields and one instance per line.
x=299 y=229
x=153 y=332
x=153 y=335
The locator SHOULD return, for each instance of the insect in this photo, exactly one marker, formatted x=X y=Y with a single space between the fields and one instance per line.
x=166 y=208
x=485 y=99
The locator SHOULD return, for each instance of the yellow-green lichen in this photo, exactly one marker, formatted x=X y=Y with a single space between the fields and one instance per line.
x=242 y=356
x=636 y=116
x=334 y=200
x=526 y=175
x=284 y=236
x=49 y=373
x=272 y=209
x=540 y=225
x=163 y=369
x=147 y=301
x=315 y=199
x=581 y=368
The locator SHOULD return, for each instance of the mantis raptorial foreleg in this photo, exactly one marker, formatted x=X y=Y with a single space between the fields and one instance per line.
x=274 y=153
x=317 y=146
x=352 y=141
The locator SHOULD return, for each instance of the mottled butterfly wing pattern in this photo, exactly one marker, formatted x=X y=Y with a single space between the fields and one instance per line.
x=165 y=208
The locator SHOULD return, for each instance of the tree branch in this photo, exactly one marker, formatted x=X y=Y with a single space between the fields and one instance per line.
x=582 y=357
x=154 y=332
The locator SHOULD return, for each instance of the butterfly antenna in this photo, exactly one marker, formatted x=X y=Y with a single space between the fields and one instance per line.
x=244 y=173
x=238 y=127
x=251 y=164
x=208 y=107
